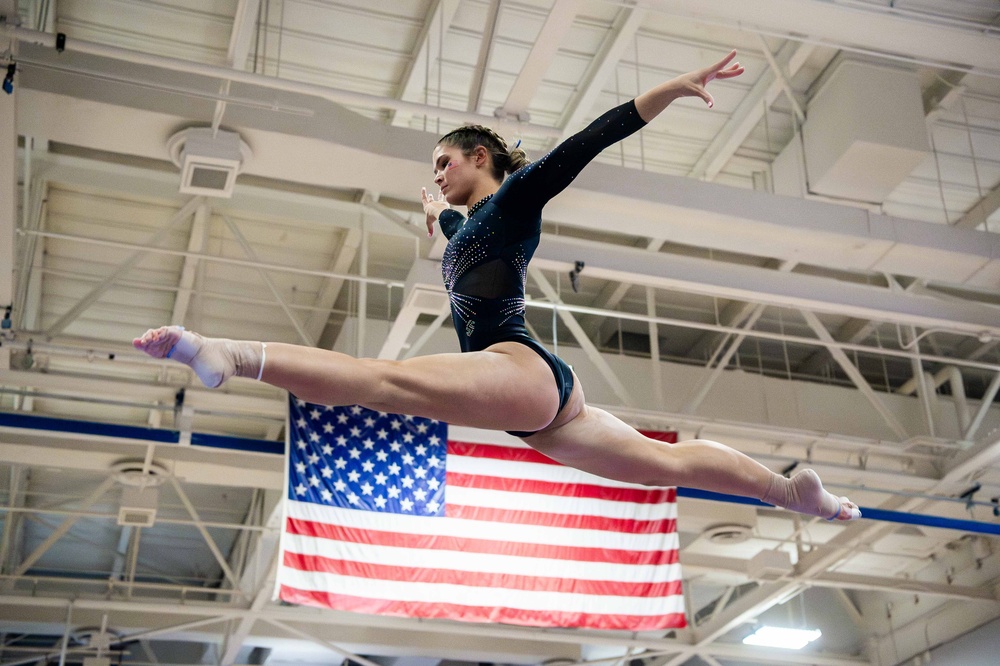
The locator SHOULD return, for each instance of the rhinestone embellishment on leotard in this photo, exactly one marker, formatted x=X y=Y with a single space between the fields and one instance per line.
x=479 y=204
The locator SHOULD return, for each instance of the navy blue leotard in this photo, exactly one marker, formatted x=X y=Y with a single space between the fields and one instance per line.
x=486 y=261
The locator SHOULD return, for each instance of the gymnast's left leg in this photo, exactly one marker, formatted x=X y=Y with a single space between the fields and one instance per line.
x=592 y=440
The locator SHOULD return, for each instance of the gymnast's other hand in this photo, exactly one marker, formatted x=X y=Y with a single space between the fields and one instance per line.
x=433 y=207
x=693 y=83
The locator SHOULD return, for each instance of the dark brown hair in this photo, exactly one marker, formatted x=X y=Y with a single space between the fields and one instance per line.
x=468 y=137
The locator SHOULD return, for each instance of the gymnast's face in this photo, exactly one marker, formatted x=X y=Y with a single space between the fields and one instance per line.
x=457 y=174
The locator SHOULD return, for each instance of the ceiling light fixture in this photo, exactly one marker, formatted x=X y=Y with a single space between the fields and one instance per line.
x=782 y=637
x=209 y=160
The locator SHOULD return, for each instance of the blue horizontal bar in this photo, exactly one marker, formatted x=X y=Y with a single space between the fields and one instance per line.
x=35 y=422
x=694 y=493
x=237 y=443
x=867 y=513
x=116 y=431
x=930 y=521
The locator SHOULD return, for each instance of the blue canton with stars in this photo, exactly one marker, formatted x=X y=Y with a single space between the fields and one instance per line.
x=355 y=458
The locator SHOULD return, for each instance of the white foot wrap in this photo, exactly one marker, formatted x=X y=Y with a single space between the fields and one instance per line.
x=213 y=360
x=263 y=357
x=804 y=493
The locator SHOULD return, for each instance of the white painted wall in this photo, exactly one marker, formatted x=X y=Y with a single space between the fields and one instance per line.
x=980 y=647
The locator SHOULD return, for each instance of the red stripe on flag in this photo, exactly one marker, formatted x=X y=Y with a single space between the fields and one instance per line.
x=572 y=521
x=520 y=454
x=479 y=580
x=481 y=614
x=668 y=436
x=421 y=541
x=494 y=452
x=587 y=490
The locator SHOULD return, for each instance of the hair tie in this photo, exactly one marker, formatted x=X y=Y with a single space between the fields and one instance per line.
x=516 y=145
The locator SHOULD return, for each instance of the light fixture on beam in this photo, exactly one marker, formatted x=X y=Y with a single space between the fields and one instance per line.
x=209 y=160
x=782 y=637
x=140 y=483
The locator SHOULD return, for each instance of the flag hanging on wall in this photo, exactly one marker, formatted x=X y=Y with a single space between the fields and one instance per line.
x=385 y=515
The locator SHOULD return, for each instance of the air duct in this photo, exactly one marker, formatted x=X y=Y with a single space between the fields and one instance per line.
x=865 y=130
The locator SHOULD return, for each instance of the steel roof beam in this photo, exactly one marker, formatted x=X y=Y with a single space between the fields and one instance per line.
x=479 y=72
x=8 y=193
x=749 y=112
x=257 y=583
x=196 y=244
x=687 y=211
x=544 y=48
x=850 y=27
x=762 y=285
x=179 y=218
x=244 y=28
x=622 y=33
x=439 y=18
x=981 y=212
x=581 y=337
x=855 y=375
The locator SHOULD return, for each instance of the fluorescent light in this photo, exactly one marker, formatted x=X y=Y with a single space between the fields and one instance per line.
x=781 y=637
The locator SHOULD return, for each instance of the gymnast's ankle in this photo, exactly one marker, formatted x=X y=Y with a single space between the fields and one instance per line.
x=215 y=360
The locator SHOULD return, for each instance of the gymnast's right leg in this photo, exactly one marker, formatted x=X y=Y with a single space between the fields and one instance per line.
x=590 y=439
x=508 y=387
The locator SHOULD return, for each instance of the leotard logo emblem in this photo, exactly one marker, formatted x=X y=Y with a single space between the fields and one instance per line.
x=469 y=327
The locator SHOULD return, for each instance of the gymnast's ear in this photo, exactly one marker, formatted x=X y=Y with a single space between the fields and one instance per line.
x=480 y=155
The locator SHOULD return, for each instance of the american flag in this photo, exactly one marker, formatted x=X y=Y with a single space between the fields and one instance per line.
x=386 y=516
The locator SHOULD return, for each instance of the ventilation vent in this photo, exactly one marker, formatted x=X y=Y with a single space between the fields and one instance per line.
x=138 y=507
x=96 y=661
x=728 y=535
x=136 y=517
x=140 y=481
x=769 y=565
x=209 y=160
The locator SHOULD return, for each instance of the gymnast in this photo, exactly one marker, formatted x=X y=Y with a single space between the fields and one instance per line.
x=503 y=379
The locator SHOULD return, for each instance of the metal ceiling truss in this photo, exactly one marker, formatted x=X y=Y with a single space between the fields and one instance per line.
x=181 y=217
x=652 y=270
x=304 y=337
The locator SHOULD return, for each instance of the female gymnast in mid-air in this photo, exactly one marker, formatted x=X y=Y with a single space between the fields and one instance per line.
x=503 y=380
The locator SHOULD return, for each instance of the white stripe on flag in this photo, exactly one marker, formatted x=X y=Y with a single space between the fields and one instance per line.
x=479 y=596
x=535 y=471
x=557 y=504
x=481 y=562
x=476 y=529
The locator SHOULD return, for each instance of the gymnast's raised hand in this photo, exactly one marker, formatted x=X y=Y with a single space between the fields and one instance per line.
x=433 y=207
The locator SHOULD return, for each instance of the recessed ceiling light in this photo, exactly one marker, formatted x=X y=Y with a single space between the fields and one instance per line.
x=782 y=637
